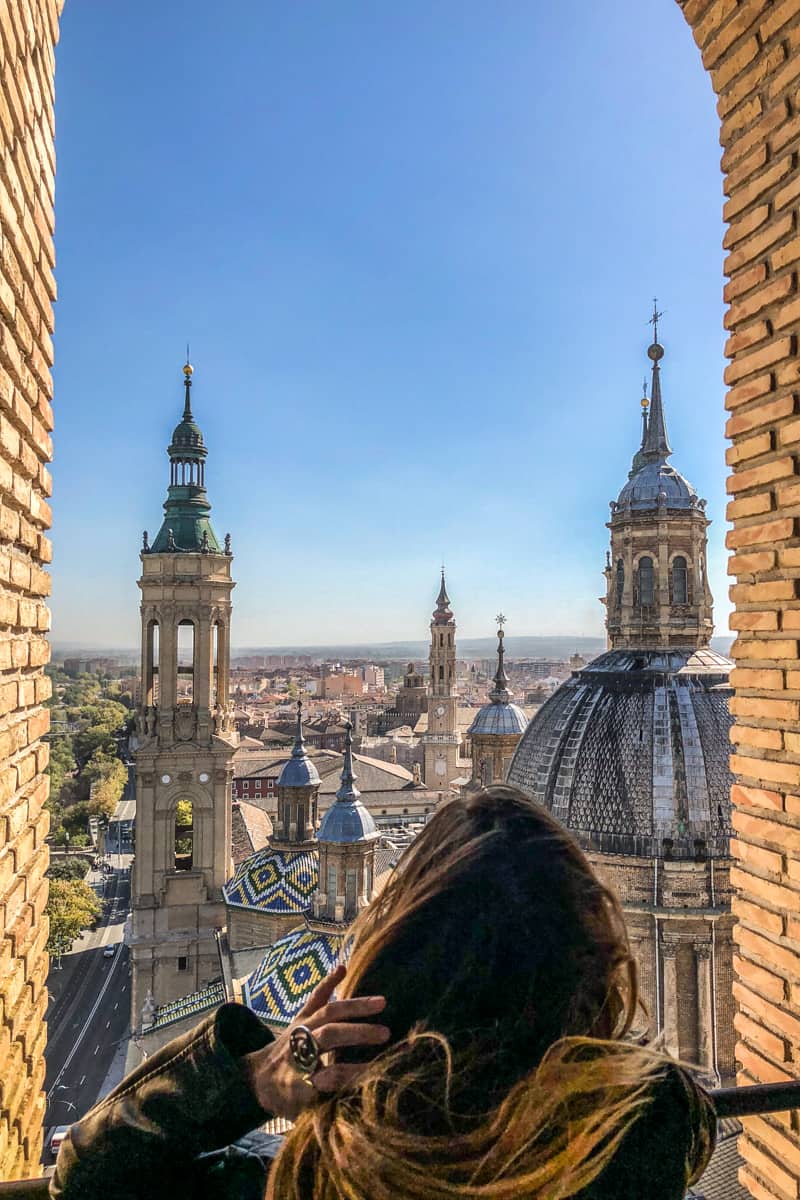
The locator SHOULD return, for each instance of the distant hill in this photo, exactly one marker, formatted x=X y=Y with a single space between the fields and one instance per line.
x=516 y=647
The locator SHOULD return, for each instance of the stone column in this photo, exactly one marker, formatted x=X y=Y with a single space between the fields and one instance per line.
x=669 y=951
x=705 y=1007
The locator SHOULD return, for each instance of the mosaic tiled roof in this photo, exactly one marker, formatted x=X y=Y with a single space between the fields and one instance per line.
x=290 y=971
x=634 y=749
x=189 y=1006
x=275 y=881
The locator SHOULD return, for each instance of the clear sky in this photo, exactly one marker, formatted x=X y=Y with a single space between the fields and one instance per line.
x=414 y=248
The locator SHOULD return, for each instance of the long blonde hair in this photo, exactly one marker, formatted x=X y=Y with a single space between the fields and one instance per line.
x=509 y=982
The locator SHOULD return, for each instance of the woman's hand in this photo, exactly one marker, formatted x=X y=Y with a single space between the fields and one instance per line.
x=279 y=1086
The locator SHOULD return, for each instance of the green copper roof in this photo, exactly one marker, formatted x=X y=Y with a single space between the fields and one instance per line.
x=186 y=525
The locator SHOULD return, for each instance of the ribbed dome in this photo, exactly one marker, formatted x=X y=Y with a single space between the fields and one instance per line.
x=187 y=436
x=658 y=483
x=634 y=750
x=499 y=719
x=347 y=821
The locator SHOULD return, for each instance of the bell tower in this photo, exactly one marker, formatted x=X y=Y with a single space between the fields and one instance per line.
x=442 y=738
x=186 y=739
x=657 y=592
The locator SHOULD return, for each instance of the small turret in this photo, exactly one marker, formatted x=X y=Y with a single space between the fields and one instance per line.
x=186 y=525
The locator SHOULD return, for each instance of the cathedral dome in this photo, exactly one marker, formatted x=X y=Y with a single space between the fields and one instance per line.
x=631 y=754
x=657 y=483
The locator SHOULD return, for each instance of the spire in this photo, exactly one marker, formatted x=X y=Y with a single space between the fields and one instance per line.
x=299 y=748
x=348 y=792
x=188 y=371
x=442 y=614
x=187 y=509
x=500 y=693
x=656 y=447
x=639 y=459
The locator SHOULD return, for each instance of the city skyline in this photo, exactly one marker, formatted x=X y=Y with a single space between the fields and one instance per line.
x=446 y=363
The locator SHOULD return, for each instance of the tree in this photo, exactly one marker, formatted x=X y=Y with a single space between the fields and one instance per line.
x=71 y=867
x=72 y=906
x=62 y=767
x=106 y=777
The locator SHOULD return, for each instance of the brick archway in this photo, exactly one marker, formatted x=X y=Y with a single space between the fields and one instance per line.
x=751 y=49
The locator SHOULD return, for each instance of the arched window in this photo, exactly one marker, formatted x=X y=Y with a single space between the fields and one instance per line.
x=214 y=664
x=441 y=673
x=185 y=660
x=680 y=581
x=646 y=590
x=620 y=582
x=151 y=664
x=184 y=835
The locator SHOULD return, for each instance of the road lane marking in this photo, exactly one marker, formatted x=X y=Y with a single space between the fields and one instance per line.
x=96 y=1049
x=115 y=1007
x=86 y=1024
x=107 y=1024
x=83 y=1077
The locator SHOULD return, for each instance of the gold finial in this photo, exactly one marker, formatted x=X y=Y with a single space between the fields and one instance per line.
x=188 y=370
x=644 y=401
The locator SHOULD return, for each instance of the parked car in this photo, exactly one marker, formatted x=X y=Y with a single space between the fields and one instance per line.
x=109 y=951
x=56 y=1138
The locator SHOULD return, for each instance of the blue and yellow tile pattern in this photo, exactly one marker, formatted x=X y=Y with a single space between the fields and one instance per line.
x=275 y=881
x=289 y=972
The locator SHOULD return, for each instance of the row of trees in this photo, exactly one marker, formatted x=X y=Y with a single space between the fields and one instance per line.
x=87 y=777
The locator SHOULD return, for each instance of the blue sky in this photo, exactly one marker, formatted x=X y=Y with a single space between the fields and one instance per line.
x=414 y=248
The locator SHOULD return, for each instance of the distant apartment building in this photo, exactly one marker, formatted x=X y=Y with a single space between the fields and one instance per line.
x=374 y=677
x=340 y=684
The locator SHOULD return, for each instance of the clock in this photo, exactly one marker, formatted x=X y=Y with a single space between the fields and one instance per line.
x=440 y=766
x=166 y=779
x=204 y=777
x=440 y=711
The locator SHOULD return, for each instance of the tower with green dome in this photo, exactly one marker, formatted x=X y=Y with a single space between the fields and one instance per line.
x=185 y=735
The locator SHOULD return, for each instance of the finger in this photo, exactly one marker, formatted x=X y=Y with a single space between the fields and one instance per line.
x=338 y=1076
x=322 y=992
x=347 y=1010
x=347 y=1034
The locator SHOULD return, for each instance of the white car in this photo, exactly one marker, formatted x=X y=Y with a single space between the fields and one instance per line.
x=109 y=951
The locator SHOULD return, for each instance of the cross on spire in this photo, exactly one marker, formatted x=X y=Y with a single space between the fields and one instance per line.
x=656 y=317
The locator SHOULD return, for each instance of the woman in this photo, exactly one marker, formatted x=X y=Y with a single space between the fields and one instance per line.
x=476 y=1040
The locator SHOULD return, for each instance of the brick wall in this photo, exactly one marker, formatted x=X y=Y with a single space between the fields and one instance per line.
x=28 y=33
x=751 y=49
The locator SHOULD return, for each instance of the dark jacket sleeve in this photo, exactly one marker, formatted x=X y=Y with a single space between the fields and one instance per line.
x=189 y=1097
x=666 y=1149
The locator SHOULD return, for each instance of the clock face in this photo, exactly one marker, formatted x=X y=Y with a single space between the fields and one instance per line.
x=166 y=779
x=204 y=777
x=440 y=767
x=440 y=711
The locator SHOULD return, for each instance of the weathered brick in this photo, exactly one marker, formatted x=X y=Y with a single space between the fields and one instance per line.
x=746 y=448
x=776 y=648
x=761 y=708
x=759 y=415
x=756 y=360
x=747 y=564
x=763 y=532
x=744 y=281
x=749 y=506
x=755 y=245
x=743 y=479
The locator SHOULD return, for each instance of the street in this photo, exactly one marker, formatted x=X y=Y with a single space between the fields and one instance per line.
x=89 y=1009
